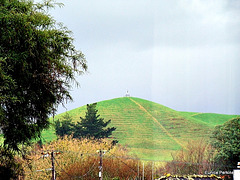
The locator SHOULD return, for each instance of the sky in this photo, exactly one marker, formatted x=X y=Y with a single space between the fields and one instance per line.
x=183 y=54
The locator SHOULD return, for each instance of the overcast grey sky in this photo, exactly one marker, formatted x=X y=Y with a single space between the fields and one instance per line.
x=184 y=54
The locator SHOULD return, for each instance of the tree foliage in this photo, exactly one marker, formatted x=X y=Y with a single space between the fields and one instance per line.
x=38 y=62
x=65 y=126
x=226 y=140
x=92 y=125
x=9 y=167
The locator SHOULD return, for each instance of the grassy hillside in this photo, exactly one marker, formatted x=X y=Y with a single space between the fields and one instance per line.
x=212 y=119
x=150 y=130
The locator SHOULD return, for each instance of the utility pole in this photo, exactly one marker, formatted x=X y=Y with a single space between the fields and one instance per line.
x=101 y=153
x=143 y=172
x=100 y=165
x=53 y=167
x=138 y=171
x=152 y=170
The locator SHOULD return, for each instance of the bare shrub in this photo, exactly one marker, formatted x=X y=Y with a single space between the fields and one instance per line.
x=197 y=159
x=114 y=167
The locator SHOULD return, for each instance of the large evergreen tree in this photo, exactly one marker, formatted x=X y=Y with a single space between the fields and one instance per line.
x=92 y=125
x=38 y=62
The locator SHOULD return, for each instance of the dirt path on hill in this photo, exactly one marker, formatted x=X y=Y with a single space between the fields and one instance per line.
x=159 y=124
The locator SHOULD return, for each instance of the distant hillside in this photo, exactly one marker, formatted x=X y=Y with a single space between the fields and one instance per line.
x=150 y=130
x=212 y=119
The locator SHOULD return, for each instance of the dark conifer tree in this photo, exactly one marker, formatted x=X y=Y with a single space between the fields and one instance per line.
x=92 y=125
x=65 y=126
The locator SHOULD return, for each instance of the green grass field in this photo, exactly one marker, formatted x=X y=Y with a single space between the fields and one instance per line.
x=150 y=130
x=212 y=119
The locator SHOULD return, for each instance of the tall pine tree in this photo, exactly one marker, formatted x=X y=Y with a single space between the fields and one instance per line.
x=92 y=125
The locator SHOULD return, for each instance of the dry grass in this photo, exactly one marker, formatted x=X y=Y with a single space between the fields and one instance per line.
x=79 y=159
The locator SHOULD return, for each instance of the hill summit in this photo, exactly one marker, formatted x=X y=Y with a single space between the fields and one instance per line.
x=150 y=130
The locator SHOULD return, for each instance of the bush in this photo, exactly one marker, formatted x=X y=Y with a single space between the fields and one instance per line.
x=79 y=158
x=113 y=168
x=198 y=158
x=225 y=140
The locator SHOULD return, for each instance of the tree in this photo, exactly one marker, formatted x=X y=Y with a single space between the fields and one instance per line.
x=226 y=140
x=9 y=167
x=92 y=125
x=38 y=62
x=65 y=126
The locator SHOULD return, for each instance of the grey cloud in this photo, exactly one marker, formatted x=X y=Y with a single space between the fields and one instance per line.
x=182 y=25
x=180 y=53
x=101 y=22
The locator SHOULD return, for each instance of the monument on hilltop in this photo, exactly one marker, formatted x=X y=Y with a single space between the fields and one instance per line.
x=127 y=94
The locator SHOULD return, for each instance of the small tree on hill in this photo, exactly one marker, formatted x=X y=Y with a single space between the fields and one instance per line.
x=65 y=126
x=92 y=125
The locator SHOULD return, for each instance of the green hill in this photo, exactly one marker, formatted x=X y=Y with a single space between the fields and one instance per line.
x=148 y=129
x=212 y=119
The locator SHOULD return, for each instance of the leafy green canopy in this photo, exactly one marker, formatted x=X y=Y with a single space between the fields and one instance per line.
x=226 y=141
x=92 y=125
x=38 y=62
